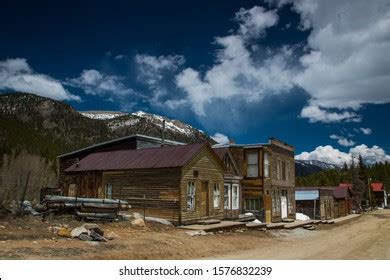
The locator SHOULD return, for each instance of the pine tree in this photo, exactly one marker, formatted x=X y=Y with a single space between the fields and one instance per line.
x=358 y=187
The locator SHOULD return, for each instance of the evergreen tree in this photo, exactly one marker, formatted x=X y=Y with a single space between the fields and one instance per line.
x=358 y=187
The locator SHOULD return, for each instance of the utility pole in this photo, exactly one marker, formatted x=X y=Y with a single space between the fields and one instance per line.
x=369 y=192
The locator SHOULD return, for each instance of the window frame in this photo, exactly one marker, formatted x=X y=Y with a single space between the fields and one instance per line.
x=252 y=164
x=235 y=207
x=266 y=163
x=191 y=196
x=216 y=196
x=228 y=187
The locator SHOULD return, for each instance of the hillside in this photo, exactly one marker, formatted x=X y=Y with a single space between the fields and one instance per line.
x=308 y=167
x=48 y=127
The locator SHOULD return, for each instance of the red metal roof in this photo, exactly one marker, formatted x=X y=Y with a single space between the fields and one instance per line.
x=158 y=157
x=377 y=187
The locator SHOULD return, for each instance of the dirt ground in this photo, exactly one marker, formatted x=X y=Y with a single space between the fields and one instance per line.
x=366 y=237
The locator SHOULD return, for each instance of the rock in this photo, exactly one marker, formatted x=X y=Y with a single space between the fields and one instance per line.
x=98 y=231
x=90 y=226
x=159 y=220
x=138 y=222
x=64 y=232
x=196 y=233
x=203 y=233
x=35 y=242
x=92 y=243
x=85 y=237
x=220 y=231
x=2 y=227
x=112 y=235
x=97 y=237
x=77 y=231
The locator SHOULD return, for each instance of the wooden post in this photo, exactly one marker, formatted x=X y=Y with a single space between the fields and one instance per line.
x=314 y=210
x=24 y=192
x=144 y=207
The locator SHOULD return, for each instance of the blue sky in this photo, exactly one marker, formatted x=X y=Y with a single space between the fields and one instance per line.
x=312 y=73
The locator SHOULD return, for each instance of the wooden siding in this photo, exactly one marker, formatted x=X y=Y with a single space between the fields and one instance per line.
x=208 y=170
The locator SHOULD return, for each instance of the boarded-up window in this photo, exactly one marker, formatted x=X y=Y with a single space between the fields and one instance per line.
x=216 y=195
x=191 y=195
x=108 y=191
x=252 y=164
x=266 y=164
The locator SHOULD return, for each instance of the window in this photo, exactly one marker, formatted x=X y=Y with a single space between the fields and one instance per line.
x=108 y=191
x=216 y=195
x=266 y=164
x=288 y=171
x=252 y=164
x=235 y=197
x=252 y=204
x=226 y=196
x=276 y=203
x=191 y=195
x=284 y=171
x=278 y=170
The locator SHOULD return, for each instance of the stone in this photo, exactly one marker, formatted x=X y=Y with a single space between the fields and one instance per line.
x=64 y=232
x=98 y=231
x=138 y=223
x=85 y=237
x=137 y=216
x=112 y=235
x=97 y=237
x=77 y=231
x=35 y=242
x=92 y=243
x=89 y=226
x=2 y=227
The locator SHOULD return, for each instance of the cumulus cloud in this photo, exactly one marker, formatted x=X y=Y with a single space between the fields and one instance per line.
x=16 y=74
x=331 y=155
x=96 y=83
x=342 y=141
x=220 y=138
x=366 y=131
x=235 y=73
x=348 y=63
x=154 y=72
x=317 y=114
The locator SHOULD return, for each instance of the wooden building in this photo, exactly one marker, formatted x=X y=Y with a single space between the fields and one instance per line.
x=315 y=202
x=379 y=194
x=232 y=183
x=268 y=182
x=342 y=200
x=182 y=183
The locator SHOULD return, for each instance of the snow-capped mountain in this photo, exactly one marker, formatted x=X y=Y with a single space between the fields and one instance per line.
x=101 y=115
x=307 y=167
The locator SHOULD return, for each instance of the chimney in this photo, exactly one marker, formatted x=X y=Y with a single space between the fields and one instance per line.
x=163 y=134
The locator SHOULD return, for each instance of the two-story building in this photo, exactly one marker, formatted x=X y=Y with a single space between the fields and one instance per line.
x=268 y=172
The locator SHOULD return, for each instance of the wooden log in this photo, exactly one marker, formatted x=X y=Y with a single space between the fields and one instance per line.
x=56 y=198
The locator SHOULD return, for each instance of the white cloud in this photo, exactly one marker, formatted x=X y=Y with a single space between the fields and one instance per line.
x=316 y=114
x=254 y=21
x=236 y=74
x=342 y=141
x=331 y=155
x=95 y=83
x=16 y=74
x=366 y=131
x=220 y=138
x=348 y=64
x=120 y=57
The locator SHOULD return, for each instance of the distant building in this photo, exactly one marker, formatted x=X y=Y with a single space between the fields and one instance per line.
x=315 y=202
x=379 y=193
x=343 y=200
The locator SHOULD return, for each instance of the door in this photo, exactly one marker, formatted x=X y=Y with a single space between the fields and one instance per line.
x=72 y=190
x=205 y=199
x=283 y=203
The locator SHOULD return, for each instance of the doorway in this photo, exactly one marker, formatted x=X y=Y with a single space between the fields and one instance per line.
x=205 y=199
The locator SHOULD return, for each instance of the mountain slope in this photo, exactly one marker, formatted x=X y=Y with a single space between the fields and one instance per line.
x=308 y=167
x=48 y=128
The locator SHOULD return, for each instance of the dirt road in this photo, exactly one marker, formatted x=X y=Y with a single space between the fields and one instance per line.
x=367 y=237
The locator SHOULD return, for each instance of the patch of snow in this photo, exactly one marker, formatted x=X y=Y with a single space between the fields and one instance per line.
x=301 y=217
x=102 y=115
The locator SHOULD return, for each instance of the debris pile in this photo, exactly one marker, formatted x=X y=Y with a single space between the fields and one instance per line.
x=87 y=208
x=86 y=232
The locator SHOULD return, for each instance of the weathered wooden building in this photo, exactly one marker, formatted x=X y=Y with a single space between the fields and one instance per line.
x=268 y=182
x=342 y=200
x=315 y=202
x=379 y=194
x=182 y=183
x=232 y=184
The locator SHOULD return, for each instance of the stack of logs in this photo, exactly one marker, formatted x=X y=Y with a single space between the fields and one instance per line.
x=87 y=208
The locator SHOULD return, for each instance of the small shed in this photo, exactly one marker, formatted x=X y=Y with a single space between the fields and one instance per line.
x=343 y=200
x=315 y=202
